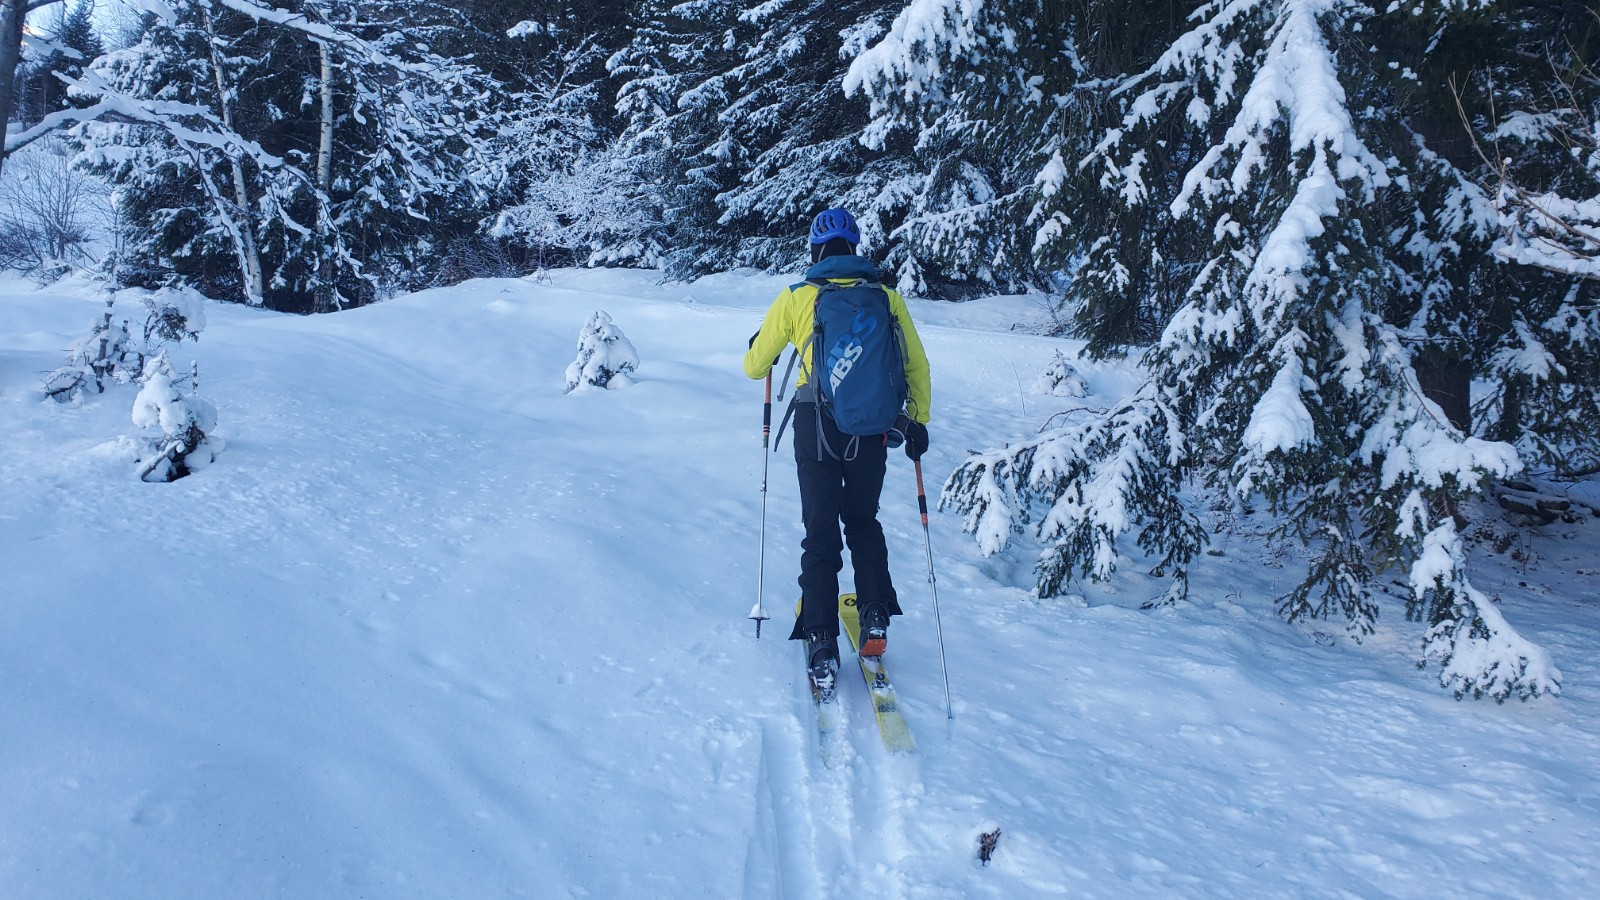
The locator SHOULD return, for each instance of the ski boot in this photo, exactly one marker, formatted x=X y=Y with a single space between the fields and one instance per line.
x=874 y=631
x=822 y=664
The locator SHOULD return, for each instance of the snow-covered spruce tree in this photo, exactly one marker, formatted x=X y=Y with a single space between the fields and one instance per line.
x=984 y=93
x=179 y=420
x=663 y=108
x=173 y=315
x=1002 y=97
x=303 y=156
x=1303 y=364
x=605 y=357
x=415 y=155
x=741 y=106
x=183 y=172
x=108 y=353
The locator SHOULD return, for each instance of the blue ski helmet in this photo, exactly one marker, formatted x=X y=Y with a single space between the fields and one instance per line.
x=834 y=223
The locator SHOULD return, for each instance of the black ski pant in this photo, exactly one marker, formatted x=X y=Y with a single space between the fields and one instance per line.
x=841 y=487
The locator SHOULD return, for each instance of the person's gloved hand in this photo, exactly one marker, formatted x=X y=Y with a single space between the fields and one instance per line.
x=916 y=440
x=913 y=434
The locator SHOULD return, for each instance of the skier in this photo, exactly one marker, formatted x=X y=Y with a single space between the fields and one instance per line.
x=841 y=476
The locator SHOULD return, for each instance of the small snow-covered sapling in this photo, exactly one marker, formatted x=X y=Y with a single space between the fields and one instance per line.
x=174 y=314
x=182 y=421
x=106 y=354
x=1060 y=379
x=605 y=357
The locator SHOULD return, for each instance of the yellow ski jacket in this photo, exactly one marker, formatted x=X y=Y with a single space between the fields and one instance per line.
x=789 y=321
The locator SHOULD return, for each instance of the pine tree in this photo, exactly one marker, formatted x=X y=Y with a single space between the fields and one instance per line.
x=308 y=157
x=975 y=104
x=740 y=109
x=108 y=353
x=1533 y=103
x=667 y=98
x=1002 y=98
x=1322 y=307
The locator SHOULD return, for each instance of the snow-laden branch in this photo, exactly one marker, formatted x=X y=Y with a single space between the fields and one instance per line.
x=323 y=32
x=1478 y=652
x=908 y=60
x=59 y=119
x=206 y=130
x=1296 y=86
x=1550 y=232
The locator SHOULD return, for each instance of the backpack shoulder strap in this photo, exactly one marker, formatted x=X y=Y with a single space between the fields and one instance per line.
x=821 y=284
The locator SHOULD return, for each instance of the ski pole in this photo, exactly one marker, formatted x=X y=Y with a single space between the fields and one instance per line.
x=759 y=613
x=933 y=585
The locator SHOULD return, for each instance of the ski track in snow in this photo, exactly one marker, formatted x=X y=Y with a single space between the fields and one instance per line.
x=430 y=628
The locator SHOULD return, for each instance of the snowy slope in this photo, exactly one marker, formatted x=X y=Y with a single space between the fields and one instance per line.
x=431 y=628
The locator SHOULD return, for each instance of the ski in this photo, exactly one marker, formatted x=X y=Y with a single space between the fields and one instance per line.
x=885 y=708
x=826 y=704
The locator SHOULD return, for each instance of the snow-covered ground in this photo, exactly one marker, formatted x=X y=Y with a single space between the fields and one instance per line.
x=430 y=627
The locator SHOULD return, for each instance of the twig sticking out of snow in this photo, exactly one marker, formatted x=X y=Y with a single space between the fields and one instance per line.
x=986 y=844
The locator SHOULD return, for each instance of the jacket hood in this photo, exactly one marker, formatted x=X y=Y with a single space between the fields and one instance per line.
x=844 y=267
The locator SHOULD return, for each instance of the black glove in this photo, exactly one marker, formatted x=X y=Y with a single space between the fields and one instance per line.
x=916 y=440
x=913 y=434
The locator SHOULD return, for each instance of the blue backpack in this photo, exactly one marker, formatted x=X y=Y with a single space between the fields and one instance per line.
x=858 y=356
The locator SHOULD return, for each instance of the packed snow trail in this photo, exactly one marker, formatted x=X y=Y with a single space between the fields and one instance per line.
x=430 y=627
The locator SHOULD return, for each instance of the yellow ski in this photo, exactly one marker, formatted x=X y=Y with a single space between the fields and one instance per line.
x=891 y=724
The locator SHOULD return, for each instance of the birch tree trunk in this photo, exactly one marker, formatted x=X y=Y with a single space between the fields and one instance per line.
x=325 y=145
x=249 y=255
x=325 y=288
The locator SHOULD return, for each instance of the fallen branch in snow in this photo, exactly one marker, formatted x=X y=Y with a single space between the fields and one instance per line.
x=1050 y=423
x=1524 y=499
